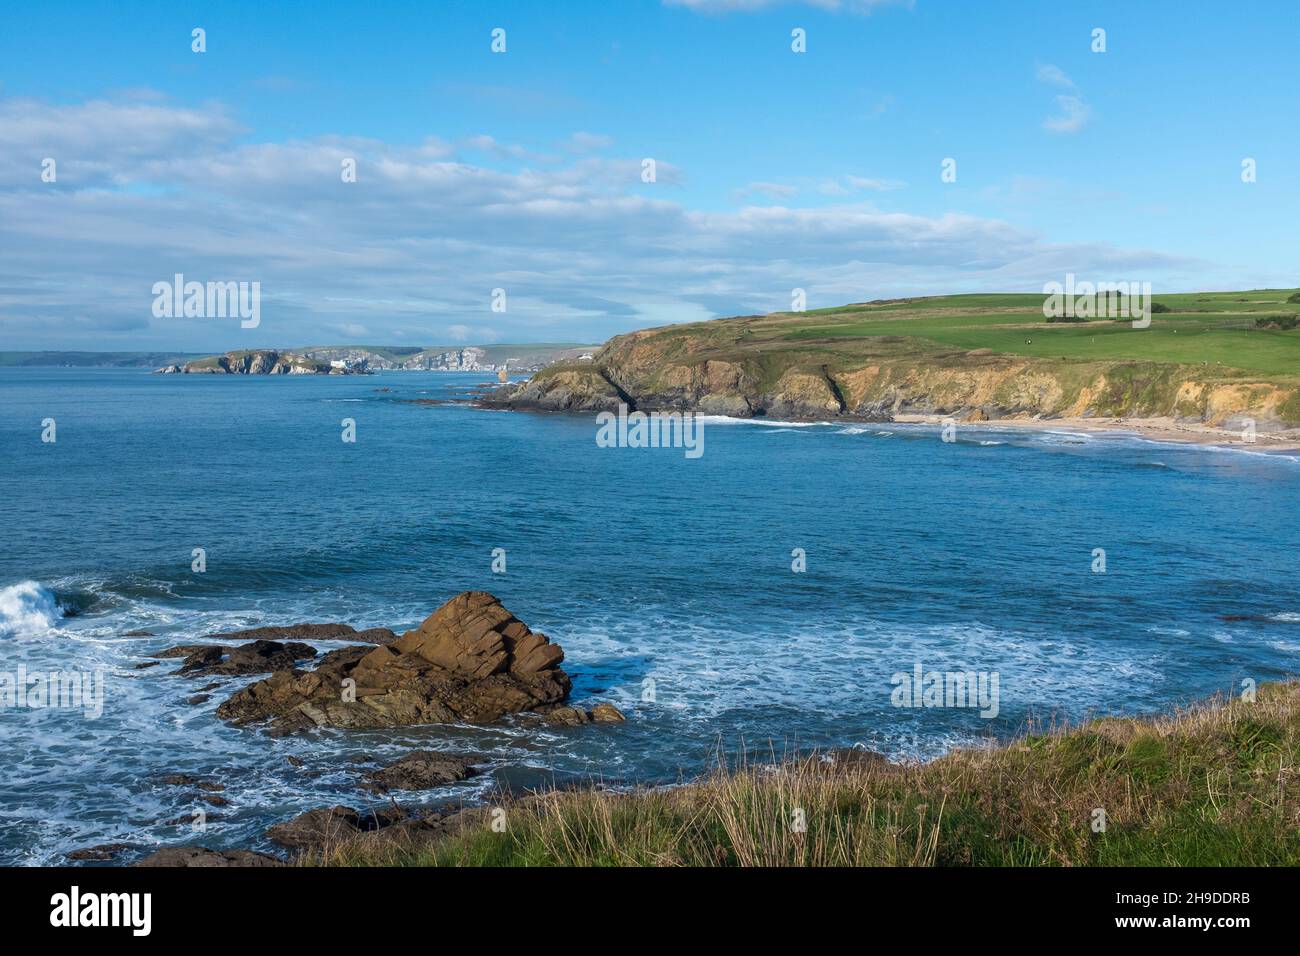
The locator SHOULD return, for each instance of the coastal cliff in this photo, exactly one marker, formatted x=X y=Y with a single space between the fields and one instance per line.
x=790 y=366
x=355 y=359
x=262 y=362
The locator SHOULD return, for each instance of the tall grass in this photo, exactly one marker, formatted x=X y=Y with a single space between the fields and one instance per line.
x=1211 y=784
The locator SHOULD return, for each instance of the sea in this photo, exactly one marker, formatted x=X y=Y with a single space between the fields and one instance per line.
x=772 y=595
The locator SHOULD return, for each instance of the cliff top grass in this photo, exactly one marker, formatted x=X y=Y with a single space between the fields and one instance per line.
x=1215 y=332
x=1212 y=784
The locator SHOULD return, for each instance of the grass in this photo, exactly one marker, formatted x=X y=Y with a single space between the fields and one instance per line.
x=1208 y=329
x=1212 y=784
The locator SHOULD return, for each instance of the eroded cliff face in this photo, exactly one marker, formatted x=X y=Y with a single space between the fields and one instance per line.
x=663 y=369
x=262 y=362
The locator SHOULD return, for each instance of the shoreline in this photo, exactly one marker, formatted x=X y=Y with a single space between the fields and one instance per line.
x=1167 y=430
x=1158 y=429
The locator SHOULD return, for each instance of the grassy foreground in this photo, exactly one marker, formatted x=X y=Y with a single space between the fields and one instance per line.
x=1213 y=784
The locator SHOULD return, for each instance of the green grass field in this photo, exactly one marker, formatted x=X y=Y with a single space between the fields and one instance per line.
x=1213 y=329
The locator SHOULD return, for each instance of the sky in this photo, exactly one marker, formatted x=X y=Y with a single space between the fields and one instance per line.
x=524 y=170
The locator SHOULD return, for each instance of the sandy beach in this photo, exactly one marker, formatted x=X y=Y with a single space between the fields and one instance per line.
x=1155 y=429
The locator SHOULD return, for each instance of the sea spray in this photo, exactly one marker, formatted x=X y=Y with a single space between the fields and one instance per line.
x=27 y=609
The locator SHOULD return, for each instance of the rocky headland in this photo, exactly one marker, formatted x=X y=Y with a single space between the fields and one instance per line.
x=262 y=362
x=794 y=366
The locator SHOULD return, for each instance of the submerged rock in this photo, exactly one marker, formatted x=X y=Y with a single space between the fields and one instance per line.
x=471 y=660
x=421 y=770
x=575 y=716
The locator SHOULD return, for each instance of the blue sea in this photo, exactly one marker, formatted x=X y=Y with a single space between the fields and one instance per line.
x=667 y=580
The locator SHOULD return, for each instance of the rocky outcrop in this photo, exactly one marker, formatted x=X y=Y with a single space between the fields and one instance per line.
x=263 y=654
x=329 y=826
x=576 y=716
x=100 y=853
x=421 y=770
x=572 y=390
x=259 y=657
x=201 y=856
x=471 y=660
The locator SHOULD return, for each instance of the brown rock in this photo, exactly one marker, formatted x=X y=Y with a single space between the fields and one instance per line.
x=202 y=856
x=328 y=826
x=421 y=770
x=259 y=657
x=846 y=758
x=471 y=660
x=295 y=632
x=568 y=716
x=104 y=851
x=180 y=650
x=576 y=716
x=607 y=714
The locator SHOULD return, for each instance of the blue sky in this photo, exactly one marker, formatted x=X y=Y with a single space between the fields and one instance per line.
x=521 y=170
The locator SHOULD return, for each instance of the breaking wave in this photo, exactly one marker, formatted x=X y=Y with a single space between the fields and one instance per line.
x=27 y=609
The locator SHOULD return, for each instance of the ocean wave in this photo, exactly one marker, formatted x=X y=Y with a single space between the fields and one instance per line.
x=28 y=609
x=770 y=422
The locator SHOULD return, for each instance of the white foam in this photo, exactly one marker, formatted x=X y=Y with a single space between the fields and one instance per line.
x=771 y=422
x=27 y=610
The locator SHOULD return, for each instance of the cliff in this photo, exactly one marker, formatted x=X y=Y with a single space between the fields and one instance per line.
x=881 y=360
x=262 y=362
x=352 y=359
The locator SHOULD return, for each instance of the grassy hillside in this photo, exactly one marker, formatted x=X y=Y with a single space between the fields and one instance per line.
x=1213 y=358
x=1215 y=784
x=92 y=359
x=1214 y=328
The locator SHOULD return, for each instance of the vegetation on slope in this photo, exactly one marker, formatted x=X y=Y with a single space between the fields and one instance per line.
x=1212 y=784
x=1204 y=357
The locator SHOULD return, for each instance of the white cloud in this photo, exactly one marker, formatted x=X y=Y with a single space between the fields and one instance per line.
x=584 y=142
x=1072 y=112
x=411 y=251
x=1049 y=73
x=1073 y=115
x=770 y=190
